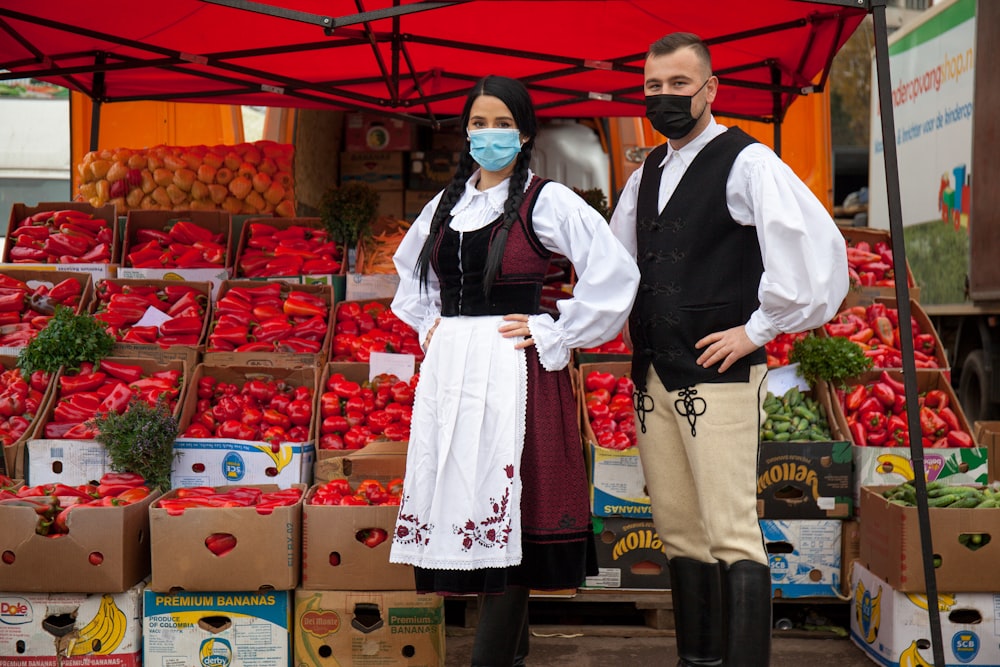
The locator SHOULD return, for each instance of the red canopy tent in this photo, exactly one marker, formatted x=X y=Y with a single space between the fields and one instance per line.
x=417 y=59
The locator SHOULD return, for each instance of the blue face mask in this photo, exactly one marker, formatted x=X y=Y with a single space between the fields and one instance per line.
x=494 y=149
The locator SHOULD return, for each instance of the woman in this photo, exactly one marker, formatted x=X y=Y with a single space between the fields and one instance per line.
x=495 y=493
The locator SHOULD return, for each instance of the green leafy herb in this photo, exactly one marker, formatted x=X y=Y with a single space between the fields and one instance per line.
x=67 y=340
x=833 y=359
x=140 y=440
x=347 y=212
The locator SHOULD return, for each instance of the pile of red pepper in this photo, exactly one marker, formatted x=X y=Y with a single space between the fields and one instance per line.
x=363 y=328
x=780 y=346
x=266 y=410
x=24 y=310
x=368 y=492
x=62 y=237
x=614 y=346
x=876 y=416
x=54 y=502
x=106 y=387
x=268 y=317
x=121 y=306
x=876 y=329
x=354 y=414
x=20 y=399
x=292 y=251
x=869 y=265
x=264 y=502
x=608 y=400
x=183 y=245
x=6 y=483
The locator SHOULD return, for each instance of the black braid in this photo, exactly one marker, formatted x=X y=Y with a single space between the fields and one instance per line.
x=511 y=207
x=452 y=193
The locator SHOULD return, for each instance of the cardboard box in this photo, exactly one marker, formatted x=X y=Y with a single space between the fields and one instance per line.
x=382 y=170
x=47 y=276
x=617 y=484
x=805 y=480
x=875 y=466
x=369 y=628
x=72 y=462
x=362 y=287
x=414 y=202
x=890 y=545
x=12 y=461
x=853 y=236
x=101 y=628
x=273 y=358
x=629 y=555
x=218 y=222
x=924 y=326
x=266 y=554
x=390 y=204
x=432 y=170
x=203 y=289
x=247 y=629
x=334 y=556
x=850 y=549
x=282 y=224
x=107 y=213
x=893 y=627
x=69 y=564
x=371 y=132
x=987 y=434
x=804 y=557
x=221 y=461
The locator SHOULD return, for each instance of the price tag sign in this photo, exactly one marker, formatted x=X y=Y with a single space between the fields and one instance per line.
x=400 y=365
x=783 y=378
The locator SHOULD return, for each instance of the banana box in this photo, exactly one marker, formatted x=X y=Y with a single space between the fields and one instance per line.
x=263 y=551
x=71 y=629
x=893 y=628
x=217 y=629
x=369 y=628
x=225 y=461
x=804 y=557
x=629 y=555
x=891 y=547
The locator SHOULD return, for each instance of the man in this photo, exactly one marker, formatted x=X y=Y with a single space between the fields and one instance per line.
x=733 y=248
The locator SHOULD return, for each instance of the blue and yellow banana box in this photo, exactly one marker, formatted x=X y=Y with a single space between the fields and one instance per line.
x=222 y=629
x=804 y=557
x=893 y=628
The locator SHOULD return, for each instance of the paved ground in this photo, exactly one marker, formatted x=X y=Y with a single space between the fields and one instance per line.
x=603 y=651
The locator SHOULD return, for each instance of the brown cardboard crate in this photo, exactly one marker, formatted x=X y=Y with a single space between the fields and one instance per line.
x=987 y=434
x=120 y=535
x=280 y=224
x=266 y=554
x=891 y=548
x=854 y=235
x=20 y=211
x=153 y=350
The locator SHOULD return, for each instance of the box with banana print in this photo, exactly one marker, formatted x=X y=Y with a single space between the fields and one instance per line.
x=50 y=629
x=893 y=628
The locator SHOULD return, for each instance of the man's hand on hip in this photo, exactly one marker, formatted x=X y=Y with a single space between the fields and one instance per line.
x=727 y=346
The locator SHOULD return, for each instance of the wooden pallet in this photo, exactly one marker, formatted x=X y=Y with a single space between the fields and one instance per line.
x=594 y=612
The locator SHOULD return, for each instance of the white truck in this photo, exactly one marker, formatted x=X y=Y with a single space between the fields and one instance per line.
x=947 y=119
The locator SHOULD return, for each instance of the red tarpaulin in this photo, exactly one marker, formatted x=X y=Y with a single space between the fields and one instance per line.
x=580 y=58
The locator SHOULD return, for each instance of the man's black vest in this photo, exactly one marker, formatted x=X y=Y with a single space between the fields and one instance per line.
x=517 y=287
x=700 y=269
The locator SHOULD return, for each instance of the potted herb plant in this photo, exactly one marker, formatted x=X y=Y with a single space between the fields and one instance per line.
x=347 y=213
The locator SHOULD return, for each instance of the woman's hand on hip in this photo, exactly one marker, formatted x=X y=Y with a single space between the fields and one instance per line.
x=515 y=326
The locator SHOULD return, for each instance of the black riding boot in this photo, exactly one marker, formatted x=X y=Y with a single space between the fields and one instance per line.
x=747 y=586
x=696 y=590
x=502 y=620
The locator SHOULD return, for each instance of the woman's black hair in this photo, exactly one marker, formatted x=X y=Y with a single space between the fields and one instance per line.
x=513 y=94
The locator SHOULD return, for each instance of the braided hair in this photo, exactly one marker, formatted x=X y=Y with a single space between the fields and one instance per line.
x=513 y=94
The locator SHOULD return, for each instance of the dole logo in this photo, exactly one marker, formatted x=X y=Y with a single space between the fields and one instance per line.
x=15 y=611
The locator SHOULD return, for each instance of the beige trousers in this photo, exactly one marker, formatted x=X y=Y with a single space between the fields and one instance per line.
x=699 y=456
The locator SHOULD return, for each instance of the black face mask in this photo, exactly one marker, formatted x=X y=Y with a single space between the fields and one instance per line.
x=670 y=115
